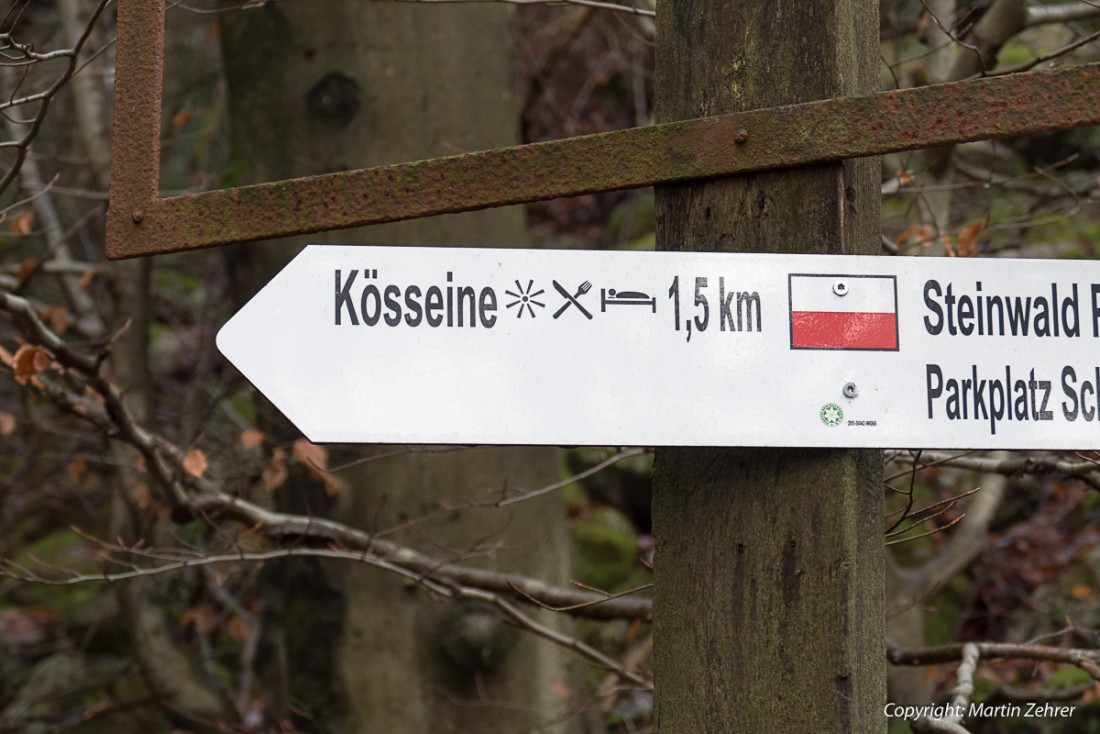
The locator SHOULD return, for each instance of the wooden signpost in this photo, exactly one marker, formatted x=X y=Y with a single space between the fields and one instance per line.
x=769 y=572
x=769 y=585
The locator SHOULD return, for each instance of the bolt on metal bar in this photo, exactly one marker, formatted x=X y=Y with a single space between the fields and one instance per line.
x=140 y=222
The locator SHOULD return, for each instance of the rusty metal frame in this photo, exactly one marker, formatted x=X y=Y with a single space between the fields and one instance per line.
x=140 y=222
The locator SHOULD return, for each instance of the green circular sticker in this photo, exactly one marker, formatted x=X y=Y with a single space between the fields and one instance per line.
x=831 y=414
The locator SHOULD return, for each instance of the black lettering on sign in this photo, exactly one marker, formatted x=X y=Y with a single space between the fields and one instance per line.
x=366 y=301
x=343 y=297
x=1096 y=310
x=959 y=313
x=992 y=399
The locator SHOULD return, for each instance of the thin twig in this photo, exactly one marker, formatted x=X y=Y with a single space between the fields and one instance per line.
x=628 y=453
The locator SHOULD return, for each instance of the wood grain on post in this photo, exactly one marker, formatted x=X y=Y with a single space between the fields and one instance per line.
x=769 y=562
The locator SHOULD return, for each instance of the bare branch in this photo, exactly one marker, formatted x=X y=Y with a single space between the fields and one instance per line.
x=440 y=587
x=928 y=512
x=35 y=125
x=1062 y=13
x=933 y=531
x=1003 y=20
x=570 y=643
x=81 y=303
x=937 y=726
x=626 y=454
x=1050 y=56
x=296 y=527
x=90 y=97
x=575 y=607
x=939 y=38
x=199 y=497
x=1084 y=658
x=964 y=688
x=964 y=545
x=1012 y=465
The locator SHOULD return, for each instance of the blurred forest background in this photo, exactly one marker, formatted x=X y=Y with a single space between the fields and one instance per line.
x=175 y=558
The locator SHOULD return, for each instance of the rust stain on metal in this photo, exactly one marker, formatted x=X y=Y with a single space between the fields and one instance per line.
x=796 y=135
x=135 y=130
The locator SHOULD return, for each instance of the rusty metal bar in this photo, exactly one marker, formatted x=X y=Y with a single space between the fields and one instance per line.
x=140 y=223
x=135 y=129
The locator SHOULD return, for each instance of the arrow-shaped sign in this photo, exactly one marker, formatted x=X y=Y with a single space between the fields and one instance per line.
x=448 y=345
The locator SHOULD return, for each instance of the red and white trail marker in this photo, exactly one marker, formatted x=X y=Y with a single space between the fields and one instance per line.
x=844 y=311
x=466 y=346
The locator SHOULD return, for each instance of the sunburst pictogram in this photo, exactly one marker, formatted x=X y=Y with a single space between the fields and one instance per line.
x=525 y=299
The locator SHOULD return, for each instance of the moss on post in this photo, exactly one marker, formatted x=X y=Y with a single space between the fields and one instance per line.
x=769 y=564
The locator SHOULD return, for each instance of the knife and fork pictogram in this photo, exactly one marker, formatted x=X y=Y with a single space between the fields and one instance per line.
x=571 y=299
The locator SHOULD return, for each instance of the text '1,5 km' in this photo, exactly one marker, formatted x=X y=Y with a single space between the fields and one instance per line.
x=449 y=345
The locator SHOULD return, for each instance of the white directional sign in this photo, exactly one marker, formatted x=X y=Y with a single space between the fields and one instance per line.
x=447 y=345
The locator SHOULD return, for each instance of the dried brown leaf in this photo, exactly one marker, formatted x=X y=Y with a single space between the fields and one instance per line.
x=77 y=468
x=237 y=629
x=921 y=234
x=315 y=459
x=968 y=239
x=143 y=498
x=91 y=394
x=26 y=267
x=86 y=279
x=332 y=484
x=29 y=362
x=22 y=223
x=57 y=317
x=1082 y=591
x=7 y=423
x=181 y=118
x=310 y=454
x=275 y=473
x=202 y=617
x=194 y=463
x=251 y=438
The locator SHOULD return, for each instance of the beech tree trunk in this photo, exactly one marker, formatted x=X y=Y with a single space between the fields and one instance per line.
x=318 y=87
x=769 y=566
